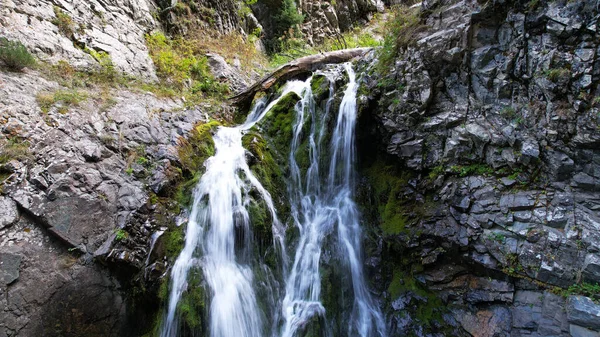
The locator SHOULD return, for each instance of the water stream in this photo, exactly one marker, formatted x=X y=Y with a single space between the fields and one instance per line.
x=322 y=209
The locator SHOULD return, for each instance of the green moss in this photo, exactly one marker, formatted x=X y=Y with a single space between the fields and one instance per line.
x=319 y=86
x=192 y=306
x=387 y=186
x=270 y=173
x=261 y=221
x=173 y=241
x=428 y=309
x=198 y=147
x=278 y=123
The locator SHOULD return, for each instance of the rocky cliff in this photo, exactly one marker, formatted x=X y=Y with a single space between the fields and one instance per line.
x=486 y=182
x=479 y=135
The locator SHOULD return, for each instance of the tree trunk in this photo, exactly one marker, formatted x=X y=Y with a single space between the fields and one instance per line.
x=296 y=67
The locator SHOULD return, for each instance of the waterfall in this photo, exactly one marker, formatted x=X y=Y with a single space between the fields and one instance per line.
x=322 y=208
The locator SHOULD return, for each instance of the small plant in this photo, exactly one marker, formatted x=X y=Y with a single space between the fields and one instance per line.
x=498 y=237
x=404 y=24
x=65 y=98
x=14 y=55
x=14 y=148
x=475 y=169
x=436 y=172
x=107 y=72
x=142 y=161
x=509 y=112
x=129 y=171
x=558 y=74
x=585 y=289
x=63 y=21
x=121 y=234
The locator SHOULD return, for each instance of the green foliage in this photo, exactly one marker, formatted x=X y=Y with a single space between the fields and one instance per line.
x=63 y=21
x=474 y=169
x=427 y=311
x=387 y=187
x=64 y=98
x=287 y=17
x=14 y=55
x=107 y=71
x=402 y=26
x=121 y=234
x=178 y=64
x=436 y=172
x=558 y=74
x=585 y=289
x=498 y=237
x=14 y=148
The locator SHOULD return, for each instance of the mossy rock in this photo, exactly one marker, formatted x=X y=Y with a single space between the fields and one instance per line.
x=387 y=187
x=268 y=171
x=320 y=87
x=278 y=123
x=198 y=147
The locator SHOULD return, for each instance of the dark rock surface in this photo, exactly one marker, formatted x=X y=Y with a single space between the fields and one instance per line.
x=493 y=115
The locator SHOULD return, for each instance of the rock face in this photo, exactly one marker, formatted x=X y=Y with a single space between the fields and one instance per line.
x=87 y=178
x=492 y=113
x=327 y=19
x=116 y=27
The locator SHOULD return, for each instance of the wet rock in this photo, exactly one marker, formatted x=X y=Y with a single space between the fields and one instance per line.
x=583 y=311
x=591 y=268
x=517 y=202
x=579 y=331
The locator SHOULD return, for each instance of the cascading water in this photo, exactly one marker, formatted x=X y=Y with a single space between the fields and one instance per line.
x=218 y=208
x=322 y=208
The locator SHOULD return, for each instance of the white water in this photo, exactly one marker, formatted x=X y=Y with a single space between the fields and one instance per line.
x=320 y=210
x=218 y=208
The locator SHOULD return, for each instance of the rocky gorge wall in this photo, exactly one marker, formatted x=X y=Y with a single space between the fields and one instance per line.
x=92 y=178
x=479 y=162
x=486 y=183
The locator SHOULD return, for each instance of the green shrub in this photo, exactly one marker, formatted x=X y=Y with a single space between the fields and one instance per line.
x=14 y=149
x=177 y=63
x=66 y=99
x=63 y=21
x=558 y=74
x=175 y=60
x=14 y=55
x=107 y=72
x=402 y=26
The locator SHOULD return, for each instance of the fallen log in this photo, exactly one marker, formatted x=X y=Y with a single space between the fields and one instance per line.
x=292 y=69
